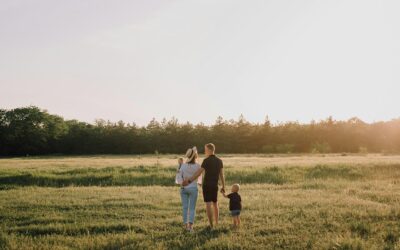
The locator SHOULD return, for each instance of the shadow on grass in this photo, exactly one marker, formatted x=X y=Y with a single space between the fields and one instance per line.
x=53 y=181
x=72 y=230
x=269 y=232
x=341 y=172
x=118 y=176
x=3 y=240
x=29 y=222
x=5 y=187
x=272 y=175
x=112 y=176
x=116 y=170
x=197 y=239
x=361 y=229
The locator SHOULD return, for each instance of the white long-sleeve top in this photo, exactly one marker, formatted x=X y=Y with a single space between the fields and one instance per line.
x=186 y=171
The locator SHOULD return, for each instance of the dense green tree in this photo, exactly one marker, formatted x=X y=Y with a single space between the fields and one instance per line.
x=32 y=131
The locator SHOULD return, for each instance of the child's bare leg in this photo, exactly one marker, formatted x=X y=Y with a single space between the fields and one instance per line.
x=235 y=223
x=238 y=221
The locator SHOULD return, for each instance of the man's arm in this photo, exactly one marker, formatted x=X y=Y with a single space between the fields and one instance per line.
x=222 y=178
x=194 y=177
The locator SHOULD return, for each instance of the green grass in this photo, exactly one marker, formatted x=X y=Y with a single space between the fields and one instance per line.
x=131 y=176
x=124 y=203
x=337 y=172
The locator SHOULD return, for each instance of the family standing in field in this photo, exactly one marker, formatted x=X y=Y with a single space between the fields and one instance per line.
x=190 y=175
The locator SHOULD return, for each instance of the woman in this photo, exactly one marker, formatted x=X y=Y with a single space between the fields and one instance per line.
x=189 y=192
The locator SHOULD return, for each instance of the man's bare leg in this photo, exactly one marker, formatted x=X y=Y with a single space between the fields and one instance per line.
x=209 y=213
x=216 y=212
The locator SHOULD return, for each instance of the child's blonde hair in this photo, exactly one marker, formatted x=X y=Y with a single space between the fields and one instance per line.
x=236 y=187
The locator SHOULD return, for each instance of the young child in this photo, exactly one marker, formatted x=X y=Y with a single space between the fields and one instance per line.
x=180 y=162
x=178 y=177
x=235 y=204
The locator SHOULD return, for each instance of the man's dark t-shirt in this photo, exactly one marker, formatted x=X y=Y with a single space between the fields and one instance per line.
x=212 y=166
x=235 y=202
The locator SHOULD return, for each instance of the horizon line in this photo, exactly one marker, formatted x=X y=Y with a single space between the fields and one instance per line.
x=220 y=117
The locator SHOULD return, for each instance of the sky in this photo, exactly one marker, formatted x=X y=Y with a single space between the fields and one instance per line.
x=197 y=60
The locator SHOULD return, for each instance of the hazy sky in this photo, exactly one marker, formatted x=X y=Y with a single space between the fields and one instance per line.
x=195 y=60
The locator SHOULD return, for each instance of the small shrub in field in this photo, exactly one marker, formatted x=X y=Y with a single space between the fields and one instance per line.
x=391 y=238
x=313 y=186
x=321 y=148
x=309 y=245
x=363 y=150
x=280 y=148
x=348 y=246
x=360 y=229
x=3 y=241
x=267 y=149
x=284 y=148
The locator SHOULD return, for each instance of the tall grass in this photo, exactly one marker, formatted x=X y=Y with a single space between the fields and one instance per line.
x=319 y=205
x=164 y=176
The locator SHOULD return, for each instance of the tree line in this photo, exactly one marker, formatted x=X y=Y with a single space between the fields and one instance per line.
x=33 y=131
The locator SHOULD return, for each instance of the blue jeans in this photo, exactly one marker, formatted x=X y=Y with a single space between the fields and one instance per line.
x=189 y=199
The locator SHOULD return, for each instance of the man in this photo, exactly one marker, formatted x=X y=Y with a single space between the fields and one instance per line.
x=213 y=168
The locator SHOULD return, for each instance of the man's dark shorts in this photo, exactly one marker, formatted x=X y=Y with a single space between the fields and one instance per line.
x=210 y=194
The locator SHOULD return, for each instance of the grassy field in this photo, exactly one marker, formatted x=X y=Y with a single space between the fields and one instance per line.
x=130 y=202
